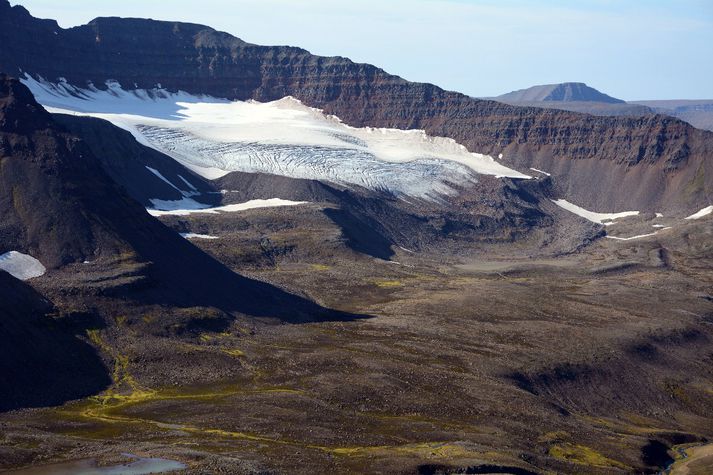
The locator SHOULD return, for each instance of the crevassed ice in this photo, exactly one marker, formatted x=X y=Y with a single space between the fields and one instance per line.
x=215 y=136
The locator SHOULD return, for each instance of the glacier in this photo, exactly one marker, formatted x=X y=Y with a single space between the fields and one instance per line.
x=214 y=137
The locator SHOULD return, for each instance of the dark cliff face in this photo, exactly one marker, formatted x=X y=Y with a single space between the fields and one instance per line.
x=593 y=151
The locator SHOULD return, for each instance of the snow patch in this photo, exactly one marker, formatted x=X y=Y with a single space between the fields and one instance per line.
x=193 y=191
x=601 y=218
x=213 y=137
x=163 y=178
x=188 y=183
x=176 y=210
x=540 y=171
x=636 y=237
x=21 y=266
x=704 y=212
x=198 y=236
x=173 y=205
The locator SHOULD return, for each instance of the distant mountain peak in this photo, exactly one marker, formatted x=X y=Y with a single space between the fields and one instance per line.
x=563 y=92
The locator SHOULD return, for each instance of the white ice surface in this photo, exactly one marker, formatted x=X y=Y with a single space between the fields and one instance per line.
x=636 y=237
x=540 y=171
x=252 y=204
x=213 y=137
x=21 y=266
x=188 y=183
x=601 y=218
x=174 y=205
x=163 y=178
x=704 y=212
x=198 y=236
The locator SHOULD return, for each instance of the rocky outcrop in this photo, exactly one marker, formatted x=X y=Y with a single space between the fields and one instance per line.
x=601 y=159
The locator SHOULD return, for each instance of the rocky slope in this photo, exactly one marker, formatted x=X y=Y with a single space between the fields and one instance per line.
x=143 y=172
x=58 y=205
x=598 y=160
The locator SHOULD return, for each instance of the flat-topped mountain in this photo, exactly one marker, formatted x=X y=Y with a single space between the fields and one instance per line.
x=563 y=92
x=572 y=97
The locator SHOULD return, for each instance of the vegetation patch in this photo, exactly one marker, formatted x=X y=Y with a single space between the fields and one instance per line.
x=582 y=455
x=320 y=267
x=233 y=352
x=388 y=284
x=438 y=450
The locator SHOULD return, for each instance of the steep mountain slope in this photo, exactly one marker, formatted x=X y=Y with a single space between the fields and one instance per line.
x=586 y=154
x=45 y=175
x=145 y=173
x=563 y=92
x=58 y=205
x=41 y=361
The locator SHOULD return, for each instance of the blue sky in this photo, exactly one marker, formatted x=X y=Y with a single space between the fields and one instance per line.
x=633 y=49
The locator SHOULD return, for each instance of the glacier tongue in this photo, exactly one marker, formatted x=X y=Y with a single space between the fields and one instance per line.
x=214 y=137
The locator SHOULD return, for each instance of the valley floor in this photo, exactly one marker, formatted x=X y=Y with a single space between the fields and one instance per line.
x=596 y=362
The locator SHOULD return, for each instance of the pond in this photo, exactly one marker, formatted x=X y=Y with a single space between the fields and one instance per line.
x=136 y=466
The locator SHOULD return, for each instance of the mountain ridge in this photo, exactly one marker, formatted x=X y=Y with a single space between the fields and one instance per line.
x=668 y=150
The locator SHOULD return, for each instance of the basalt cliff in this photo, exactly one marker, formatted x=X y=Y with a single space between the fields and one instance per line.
x=652 y=163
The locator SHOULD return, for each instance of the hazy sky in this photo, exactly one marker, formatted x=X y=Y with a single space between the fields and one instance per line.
x=633 y=49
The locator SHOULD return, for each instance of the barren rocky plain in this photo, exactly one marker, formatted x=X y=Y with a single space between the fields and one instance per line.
x=506 y=361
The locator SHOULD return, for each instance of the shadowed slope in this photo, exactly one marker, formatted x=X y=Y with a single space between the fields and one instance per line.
x=41 y=363
x=59 y=206
x=137 y=167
